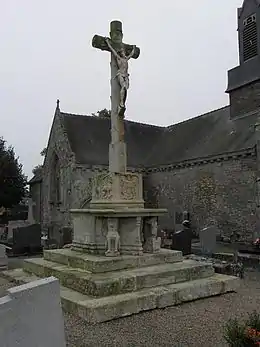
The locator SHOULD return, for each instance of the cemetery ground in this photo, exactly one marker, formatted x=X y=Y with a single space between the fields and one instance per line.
x=198 y=323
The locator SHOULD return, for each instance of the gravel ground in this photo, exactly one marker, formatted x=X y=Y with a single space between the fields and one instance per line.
x=199 y=323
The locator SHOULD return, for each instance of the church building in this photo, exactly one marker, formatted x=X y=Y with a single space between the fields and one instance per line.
x=208 y=165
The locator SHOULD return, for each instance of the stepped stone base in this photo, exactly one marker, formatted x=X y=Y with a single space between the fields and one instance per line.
x=99 y=289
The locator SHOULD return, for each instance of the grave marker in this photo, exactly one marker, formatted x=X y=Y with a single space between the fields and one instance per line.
x=31 y=315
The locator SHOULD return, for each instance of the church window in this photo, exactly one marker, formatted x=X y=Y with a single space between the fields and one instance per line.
x=250 y=44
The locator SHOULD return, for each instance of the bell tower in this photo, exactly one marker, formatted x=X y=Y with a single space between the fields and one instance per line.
x=244 y=80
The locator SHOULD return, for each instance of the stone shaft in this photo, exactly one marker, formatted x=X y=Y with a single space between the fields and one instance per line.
x=117 y=148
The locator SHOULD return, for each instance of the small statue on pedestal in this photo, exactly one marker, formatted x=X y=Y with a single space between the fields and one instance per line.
x=113 y=238
x=152 y=243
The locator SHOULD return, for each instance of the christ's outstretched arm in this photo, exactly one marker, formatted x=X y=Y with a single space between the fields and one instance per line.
x=132 y=53
x=110 y=47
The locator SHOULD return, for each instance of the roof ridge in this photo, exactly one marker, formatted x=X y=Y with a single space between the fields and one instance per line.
x=201 y=115
x=97 y=117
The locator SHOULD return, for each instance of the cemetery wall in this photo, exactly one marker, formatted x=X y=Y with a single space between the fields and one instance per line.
x=224 y=191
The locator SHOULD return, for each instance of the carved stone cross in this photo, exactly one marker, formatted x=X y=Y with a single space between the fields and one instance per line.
x=120 y=54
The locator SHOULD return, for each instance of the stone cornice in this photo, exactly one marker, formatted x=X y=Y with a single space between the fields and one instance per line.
x=248 y=152
x=104 y=168
x=205 y=160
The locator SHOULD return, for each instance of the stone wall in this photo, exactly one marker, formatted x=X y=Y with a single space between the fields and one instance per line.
x=224 y=191
x=55 y=214
x=35 y=193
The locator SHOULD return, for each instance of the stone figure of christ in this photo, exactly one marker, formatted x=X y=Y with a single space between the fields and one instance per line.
x=122 y=73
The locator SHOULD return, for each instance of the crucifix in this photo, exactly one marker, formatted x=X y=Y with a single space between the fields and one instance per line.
x=121 y=53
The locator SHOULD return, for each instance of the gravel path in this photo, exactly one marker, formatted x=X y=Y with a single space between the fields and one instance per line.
x=199 y=323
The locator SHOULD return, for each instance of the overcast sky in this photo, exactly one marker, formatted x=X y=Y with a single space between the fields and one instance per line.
x=46 y=53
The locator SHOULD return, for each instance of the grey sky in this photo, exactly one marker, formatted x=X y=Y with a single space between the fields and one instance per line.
x=46 y=53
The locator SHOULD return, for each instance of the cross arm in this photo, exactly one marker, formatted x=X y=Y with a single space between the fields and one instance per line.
x=100 y=42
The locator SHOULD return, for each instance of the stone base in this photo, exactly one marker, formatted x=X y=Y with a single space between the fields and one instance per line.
x=92 y=228
x=108 y=308
x=99 y=288
x=102 y=264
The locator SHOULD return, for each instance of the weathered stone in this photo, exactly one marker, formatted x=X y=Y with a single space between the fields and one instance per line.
x=97 y=264
x=30 y=315
x=208 y=239
x=108 y=308
x=117 y=282
x=3 y=257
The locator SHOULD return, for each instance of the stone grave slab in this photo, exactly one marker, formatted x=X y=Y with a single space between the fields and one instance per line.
x=3 y=257
x=27 y=239
x=208 y=239
x=31 y=315
x=181 y=241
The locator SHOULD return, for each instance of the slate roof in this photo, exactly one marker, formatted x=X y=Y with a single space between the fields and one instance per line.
x=147 y=145
x=89 y=139
x=37 y=178
x=213 y=133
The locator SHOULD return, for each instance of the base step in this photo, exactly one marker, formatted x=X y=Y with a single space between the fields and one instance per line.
x=119 y=282
x=101 y=264
x=104 y=309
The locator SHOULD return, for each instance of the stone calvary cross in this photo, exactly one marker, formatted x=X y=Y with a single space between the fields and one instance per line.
x=120 y=54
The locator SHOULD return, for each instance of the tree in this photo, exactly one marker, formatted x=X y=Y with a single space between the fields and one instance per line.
x=102 y=113
x=12 y=180
x=38 y=168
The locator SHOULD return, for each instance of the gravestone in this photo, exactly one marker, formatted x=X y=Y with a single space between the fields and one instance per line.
x=66 y=236
x=180 y=216
x=31 y=315
x=181 y=240
x=31 y=206
x=27 y=239
x=3 y=257
x=208 y=239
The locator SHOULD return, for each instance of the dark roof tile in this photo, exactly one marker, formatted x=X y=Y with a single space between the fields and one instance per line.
x=147 y=145
x=210 y=134
x=89 y=137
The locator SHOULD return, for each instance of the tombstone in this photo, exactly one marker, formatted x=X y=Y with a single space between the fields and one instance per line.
x=180 y=217
x=13 y=224
x=31 y=315
x=208 y=239
x=31 y=205
x=66 y=236
x=181 y=240
x=3 y=257
x=27 y=239
x=3 y=233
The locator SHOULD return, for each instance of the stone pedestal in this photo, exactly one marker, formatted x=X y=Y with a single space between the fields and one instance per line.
x=116 y=222
x=117 y=190
x=136 y=228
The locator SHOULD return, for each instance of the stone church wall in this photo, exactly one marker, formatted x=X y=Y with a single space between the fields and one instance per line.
x=81 y=186
x=55 y=211
x=35 y=193
x=224 y=191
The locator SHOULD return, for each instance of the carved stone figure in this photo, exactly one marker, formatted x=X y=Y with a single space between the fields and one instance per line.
x=129 y=187
x=122 y=73
x=113 y=238
x=102 y=185
x=152 y=243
